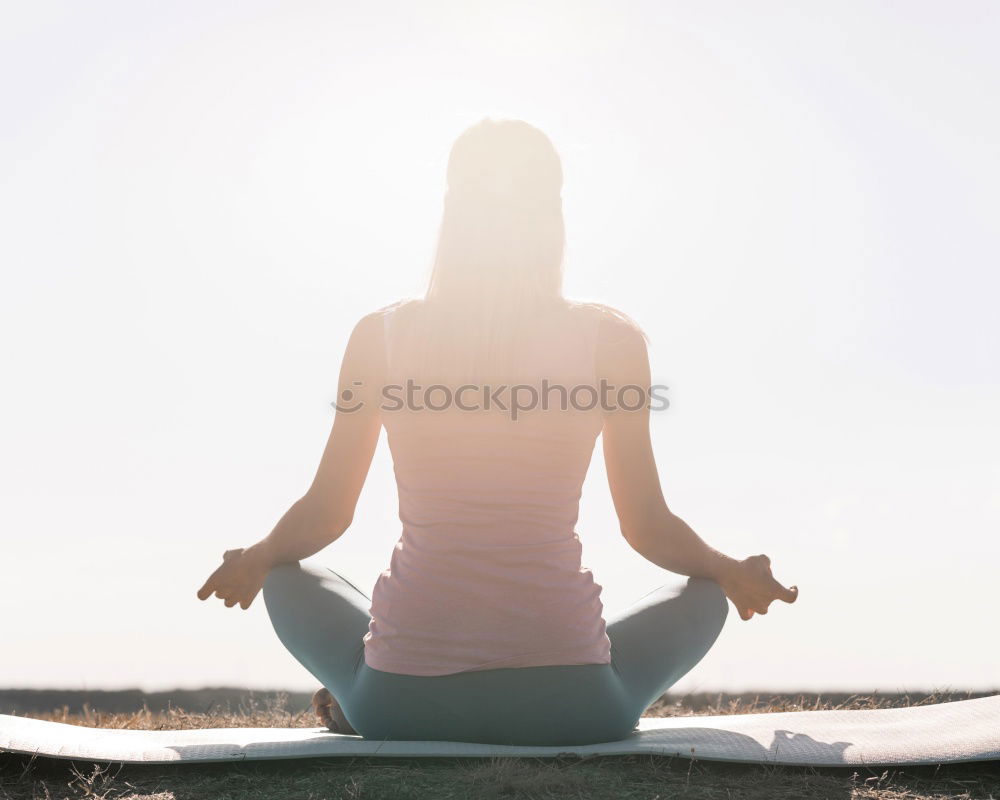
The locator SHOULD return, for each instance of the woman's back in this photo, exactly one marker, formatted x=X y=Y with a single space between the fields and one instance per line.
x=487 y=572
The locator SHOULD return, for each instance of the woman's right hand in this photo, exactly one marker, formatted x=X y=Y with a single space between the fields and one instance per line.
x=751 y=587
x=239 y=579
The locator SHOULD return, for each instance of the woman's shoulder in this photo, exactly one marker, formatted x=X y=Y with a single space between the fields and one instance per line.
x=620 y=348
x=381 y=316
x=404 y=305
x=370 y=330
x=613 y=324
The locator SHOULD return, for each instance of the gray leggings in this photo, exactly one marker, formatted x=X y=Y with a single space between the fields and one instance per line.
x=321 y=618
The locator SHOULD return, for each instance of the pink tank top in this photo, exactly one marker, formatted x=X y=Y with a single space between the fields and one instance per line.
x=487 y=572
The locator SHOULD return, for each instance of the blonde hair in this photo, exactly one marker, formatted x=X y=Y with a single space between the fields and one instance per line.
x=498 y=259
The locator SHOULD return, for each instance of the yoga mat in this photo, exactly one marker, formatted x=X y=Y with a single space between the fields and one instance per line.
x=968 y=730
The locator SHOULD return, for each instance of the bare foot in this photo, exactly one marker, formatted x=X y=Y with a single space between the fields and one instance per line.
x=330 y=713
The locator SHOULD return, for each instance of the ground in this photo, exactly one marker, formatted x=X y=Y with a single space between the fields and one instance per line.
x=624 y=777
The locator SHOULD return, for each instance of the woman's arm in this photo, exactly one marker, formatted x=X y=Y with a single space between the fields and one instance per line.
x=326 y=510
x=647 y=524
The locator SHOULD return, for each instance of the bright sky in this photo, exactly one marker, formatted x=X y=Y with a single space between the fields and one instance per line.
x=798 y=203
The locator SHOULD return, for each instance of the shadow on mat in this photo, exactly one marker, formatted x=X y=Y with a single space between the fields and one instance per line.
x=711 y=744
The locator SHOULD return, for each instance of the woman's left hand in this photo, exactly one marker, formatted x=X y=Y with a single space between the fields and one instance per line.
x=239 y=579
x=751 y=586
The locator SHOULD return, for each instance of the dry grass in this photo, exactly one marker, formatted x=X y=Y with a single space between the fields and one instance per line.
x=626 y=777
x=720 y=704
x=267 y=712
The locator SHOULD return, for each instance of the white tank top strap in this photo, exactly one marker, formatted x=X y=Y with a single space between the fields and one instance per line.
x=592 y=330
x=595 y=335
x=387 y=316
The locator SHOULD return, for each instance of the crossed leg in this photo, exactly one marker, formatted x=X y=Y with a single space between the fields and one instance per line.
x=662 y=636
x=321 y=618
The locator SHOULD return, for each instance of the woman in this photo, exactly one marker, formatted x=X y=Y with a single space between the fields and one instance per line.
x=485 y=627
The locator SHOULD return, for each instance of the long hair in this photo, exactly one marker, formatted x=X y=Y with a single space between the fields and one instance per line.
x=498 y=259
